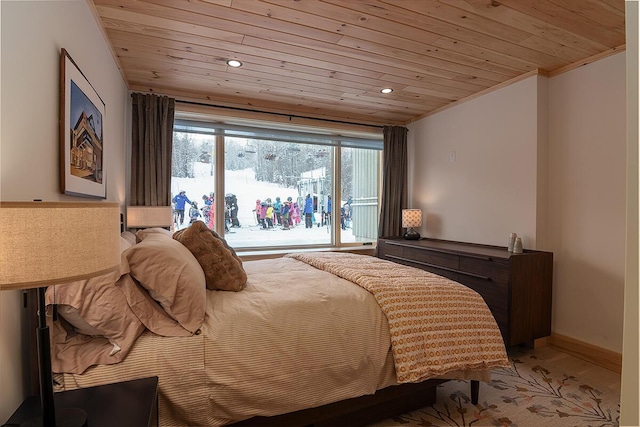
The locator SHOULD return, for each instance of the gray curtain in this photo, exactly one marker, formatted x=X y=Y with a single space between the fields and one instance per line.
x=394 y=181
x=151 y=150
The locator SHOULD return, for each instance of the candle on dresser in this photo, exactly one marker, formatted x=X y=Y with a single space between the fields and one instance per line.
x=517 y=246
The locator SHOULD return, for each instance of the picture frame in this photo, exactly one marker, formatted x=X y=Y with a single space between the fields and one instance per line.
x=83 y=165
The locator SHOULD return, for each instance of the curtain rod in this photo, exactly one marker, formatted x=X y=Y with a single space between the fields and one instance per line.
x=277 y=114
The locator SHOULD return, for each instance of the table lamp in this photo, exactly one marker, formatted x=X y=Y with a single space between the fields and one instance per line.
x=49 y=243
x=149 y=216
x=411 y=218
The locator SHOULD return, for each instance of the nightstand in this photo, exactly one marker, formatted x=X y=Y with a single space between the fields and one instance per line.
x=126 y=404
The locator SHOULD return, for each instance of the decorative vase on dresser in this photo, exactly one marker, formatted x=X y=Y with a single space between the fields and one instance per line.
x=516 y=287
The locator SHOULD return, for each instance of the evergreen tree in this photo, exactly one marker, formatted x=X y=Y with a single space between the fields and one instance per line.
x=184 y=154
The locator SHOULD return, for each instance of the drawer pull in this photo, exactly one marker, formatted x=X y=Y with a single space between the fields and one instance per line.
x=477 y=276
x=406 y=245
x=426 y=264
x=439 y=267
x=482 y=257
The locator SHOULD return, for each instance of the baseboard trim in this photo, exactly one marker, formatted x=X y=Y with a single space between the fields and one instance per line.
x=589 y=352
x=542 y=342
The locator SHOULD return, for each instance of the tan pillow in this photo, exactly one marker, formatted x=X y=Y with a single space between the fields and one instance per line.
x=171 y=275
x=149 y=311
x=221 y=265
x=99 y=314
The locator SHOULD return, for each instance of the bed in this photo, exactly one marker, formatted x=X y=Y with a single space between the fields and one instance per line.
x=310 y=338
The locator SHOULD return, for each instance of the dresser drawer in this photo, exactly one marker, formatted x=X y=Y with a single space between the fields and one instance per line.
x=434 y=258
x=386 y=249
x=501 y=316
x=502 y=319
x=417 y=255
x=495 y=294
x=490 y=268
x=449 y=274
x=401 y=259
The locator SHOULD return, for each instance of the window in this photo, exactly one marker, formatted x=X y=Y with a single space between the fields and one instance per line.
x=359 y=206
x=272 y=188
x=193 y=178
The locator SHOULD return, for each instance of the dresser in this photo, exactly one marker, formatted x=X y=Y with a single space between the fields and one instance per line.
x=516 y=287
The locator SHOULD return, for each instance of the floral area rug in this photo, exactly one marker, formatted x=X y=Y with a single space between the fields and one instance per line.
x=543 y=387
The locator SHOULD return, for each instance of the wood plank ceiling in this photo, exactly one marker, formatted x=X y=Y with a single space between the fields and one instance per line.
x=331 y=58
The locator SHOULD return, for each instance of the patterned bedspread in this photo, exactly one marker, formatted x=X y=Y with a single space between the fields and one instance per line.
x=436 y=325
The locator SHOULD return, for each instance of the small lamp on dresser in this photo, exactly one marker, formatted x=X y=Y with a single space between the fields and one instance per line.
x=49 y=243
x=411 y=219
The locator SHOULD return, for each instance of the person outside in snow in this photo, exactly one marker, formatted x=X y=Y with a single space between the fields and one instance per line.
x=179 y=203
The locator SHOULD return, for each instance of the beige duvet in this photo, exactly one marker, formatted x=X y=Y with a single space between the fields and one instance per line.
x=294 y=338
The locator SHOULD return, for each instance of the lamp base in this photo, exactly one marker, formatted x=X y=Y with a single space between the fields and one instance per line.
x=411 y=234
x=65 y=417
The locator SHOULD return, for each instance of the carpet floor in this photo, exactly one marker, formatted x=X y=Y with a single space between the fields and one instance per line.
x=543 y=387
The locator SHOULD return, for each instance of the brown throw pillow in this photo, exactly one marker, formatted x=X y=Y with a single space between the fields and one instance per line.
x=221 y=265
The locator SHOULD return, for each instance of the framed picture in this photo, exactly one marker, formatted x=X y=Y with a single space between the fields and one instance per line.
x=82 y=161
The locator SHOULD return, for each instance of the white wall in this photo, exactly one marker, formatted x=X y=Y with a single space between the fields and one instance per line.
x=32 y=34
x=544 y=158
x=489 y=189
x=587 y=200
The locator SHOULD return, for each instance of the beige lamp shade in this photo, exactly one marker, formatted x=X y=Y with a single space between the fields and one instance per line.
x=411 y=218
x=149 y=216
x=47 y=243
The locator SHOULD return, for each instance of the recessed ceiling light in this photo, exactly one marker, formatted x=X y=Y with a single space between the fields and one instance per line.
x=386 y=90
x=234 y=63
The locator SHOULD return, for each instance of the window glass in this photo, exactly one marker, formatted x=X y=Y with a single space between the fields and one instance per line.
x=358 y=208
x=278 y=185
x=193 y=179
x=276 y=193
